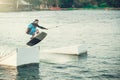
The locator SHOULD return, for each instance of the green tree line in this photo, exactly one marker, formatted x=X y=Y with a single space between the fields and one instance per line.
x=77 y=3
x=73 y=3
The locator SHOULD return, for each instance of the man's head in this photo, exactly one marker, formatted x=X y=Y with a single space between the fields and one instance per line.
x=36 y=21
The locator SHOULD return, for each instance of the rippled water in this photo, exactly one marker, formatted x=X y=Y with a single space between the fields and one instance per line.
x=98 y=29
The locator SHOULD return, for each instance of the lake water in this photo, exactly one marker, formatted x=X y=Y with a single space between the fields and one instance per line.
x=99 y=30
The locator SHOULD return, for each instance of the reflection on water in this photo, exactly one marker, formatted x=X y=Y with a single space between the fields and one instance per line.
x=24 y=72
x=28 y=72
x=7 y=72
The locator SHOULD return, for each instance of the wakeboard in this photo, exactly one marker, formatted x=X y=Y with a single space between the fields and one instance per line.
x=38 y=38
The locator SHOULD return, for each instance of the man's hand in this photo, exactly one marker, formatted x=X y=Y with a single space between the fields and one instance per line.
x=46 y=29
x=37 y=31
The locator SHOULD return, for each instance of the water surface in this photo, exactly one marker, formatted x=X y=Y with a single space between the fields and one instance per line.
x=98 y=29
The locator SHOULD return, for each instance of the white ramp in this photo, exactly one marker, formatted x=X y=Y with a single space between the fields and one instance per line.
x=9 y=59
x=21 y=56
x=64 y=54
x=70 y=50
x=27 y=55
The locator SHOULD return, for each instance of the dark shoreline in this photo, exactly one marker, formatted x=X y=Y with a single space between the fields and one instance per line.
x=90 y=8
x=62 y=9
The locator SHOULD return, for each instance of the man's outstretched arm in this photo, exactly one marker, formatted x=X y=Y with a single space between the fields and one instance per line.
x=42 y=27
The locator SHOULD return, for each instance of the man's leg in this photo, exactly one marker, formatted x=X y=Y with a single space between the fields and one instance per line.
x=33 y=35
x=37 y=31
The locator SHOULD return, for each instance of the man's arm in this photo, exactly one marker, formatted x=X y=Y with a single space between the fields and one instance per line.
x=28 y=30
x=41 y=27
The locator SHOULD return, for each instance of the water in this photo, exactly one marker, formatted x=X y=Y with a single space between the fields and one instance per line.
x=98 y=29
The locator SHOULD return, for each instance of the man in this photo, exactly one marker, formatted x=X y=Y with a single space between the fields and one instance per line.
x=32 y=28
